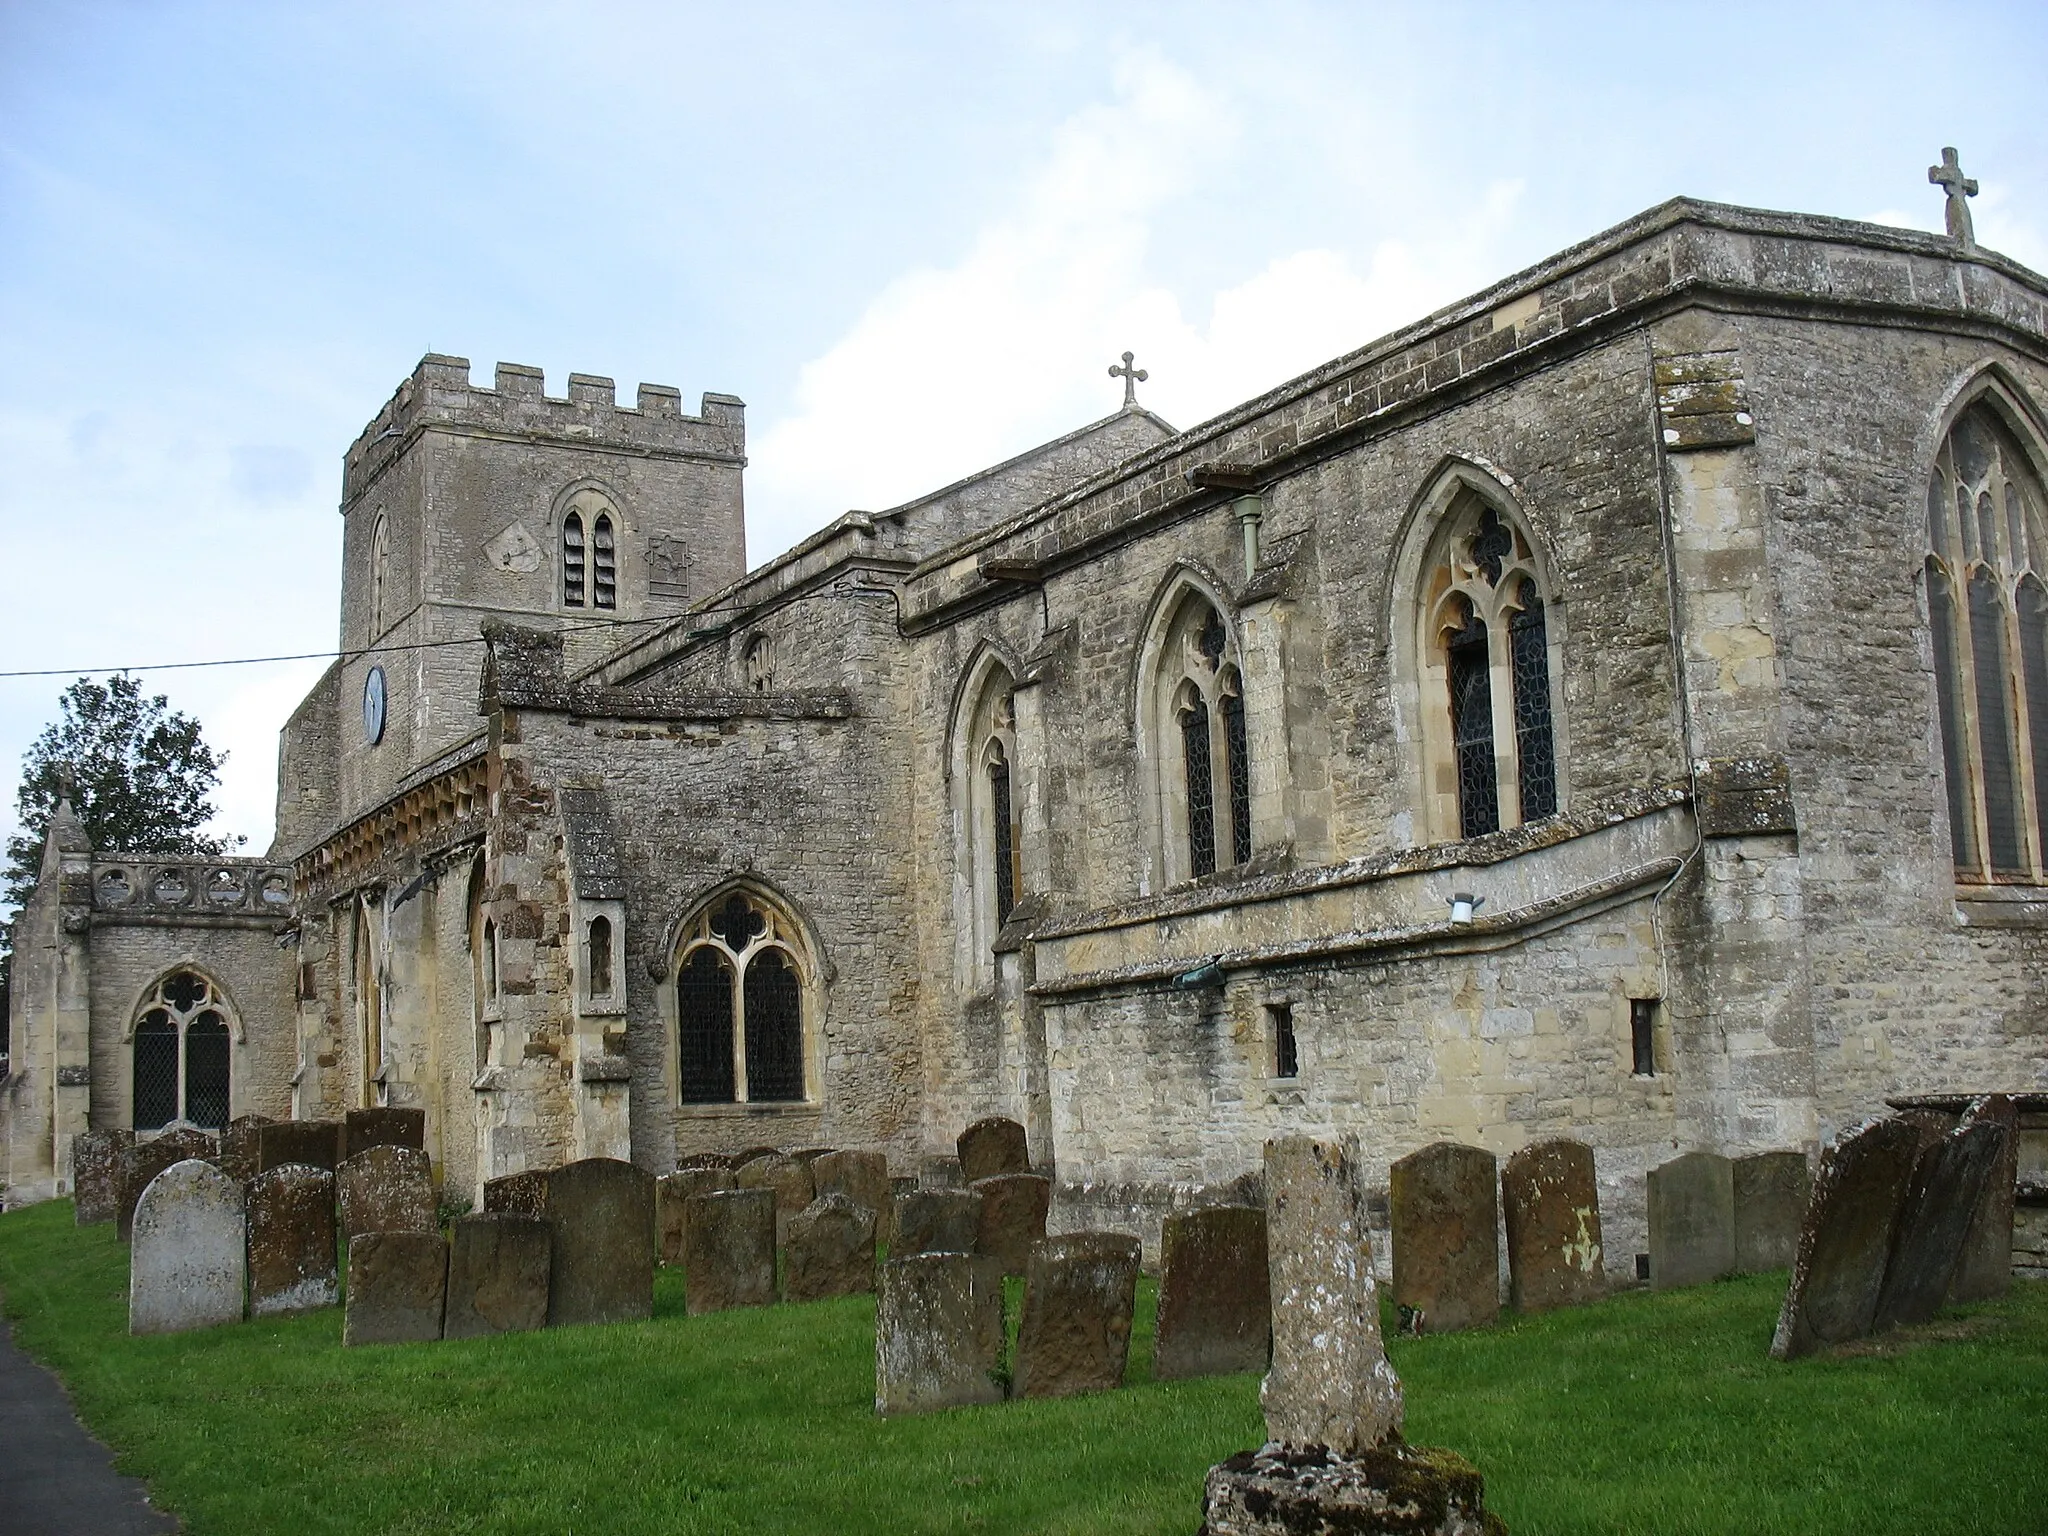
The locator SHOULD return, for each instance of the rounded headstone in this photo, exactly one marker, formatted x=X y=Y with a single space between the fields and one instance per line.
x=189 y=1266
x=992 y=1146
x=1985 y=1270
x=1013 y=1211
x=1551 y=1205
x=1444 y=1208
x=830 y=1251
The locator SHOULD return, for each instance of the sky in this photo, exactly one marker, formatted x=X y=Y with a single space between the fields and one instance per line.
x=911 y=237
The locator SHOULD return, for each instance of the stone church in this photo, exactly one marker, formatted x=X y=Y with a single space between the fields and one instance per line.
x=1614 y=706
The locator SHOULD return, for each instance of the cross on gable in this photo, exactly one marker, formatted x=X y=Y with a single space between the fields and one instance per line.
x=1132 y=378
x=1950 y=178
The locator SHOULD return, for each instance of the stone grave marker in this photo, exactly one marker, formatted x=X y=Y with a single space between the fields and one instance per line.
x=787 y=1178
x=497 y=1275
x=940 y=1173
x=1692 y=1220
x=386 y=1189
x=189 y=1265
x=144 y=1160
x=991 y=1147
x=315 y=1143
x=809 y=1155
x=291 y=1240
x=672 y=1192
x=1444 y=1208
x=1771 y=1190
x=1013 y=1211
x=601 y=1268
x=706 y=1160
x=1215 y=1305
x=936 y=1221
x=1846 y=1238
x=938 y=1333
x=1941 y=1201
x=830 y=1251
x=518 y=1194
x=1552 y=1206
x=1078 y=1296
x=863 y=1177
x=1985 y=1269
x=397 y=1288
x=747 y=1155
x=363 y=1129
x=238 y=1146
x=96 y=1174
x=729 y=1250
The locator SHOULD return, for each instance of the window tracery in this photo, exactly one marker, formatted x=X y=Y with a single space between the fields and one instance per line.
x=742 y=999
x=180 y=1063
x=1208 y=788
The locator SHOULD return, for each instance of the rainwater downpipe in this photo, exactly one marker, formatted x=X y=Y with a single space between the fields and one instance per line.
x=1251 y=510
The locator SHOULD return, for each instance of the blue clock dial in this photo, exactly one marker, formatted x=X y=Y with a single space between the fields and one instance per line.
x=373 y=706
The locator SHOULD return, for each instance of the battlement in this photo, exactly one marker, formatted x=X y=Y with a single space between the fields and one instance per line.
x=439 y=394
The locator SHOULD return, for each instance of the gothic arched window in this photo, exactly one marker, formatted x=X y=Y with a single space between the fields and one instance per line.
x=1491 y=665
x=742 y=1005
x=181 y=1055
x=604 y=564
x=1206 y=767
x=380 y=572
x=575 y=560
x=1987 y=611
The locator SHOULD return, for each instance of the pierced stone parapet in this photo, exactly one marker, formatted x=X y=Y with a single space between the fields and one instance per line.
x=196 y=887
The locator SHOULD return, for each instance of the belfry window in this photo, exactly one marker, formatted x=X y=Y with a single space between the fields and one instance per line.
x=574 y=559
x=1207 y=792
x=1987 y=612
x=380 y=573
x=181 y=1056
x=604 y=564
x=742 y=1000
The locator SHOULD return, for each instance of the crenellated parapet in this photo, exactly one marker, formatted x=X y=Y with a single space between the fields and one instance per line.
x=440 y=396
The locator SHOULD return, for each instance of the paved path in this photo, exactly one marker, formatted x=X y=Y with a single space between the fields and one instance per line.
x=55 y=1479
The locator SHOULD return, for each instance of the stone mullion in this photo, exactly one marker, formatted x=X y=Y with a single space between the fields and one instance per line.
x=1507 y=766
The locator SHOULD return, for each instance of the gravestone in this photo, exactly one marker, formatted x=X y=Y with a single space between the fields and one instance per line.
x=705 y=1160
x=497 y=1275
x=518 y=1194
x=938 y=1333
x=936 y=1221
x=1552 y=1208
x=601 y=1267
x=1846 y=1238
x=238 y=1146
x=991 y=1147
x=863 y=1177
x=1771 y=1191
x=940 y=1173
x=1013 y=1212
x=1941 y=1201
x=830 y=1251
x=1079 y=1293
x=386 y=1189
x=809 y=1155
x=1985 y=1269
x=397 y=1288
x=671 y=1192
x=1215 y=1305
x=363 y=1129
x=190 y=1261
x=314 y=1143
x=1692 y=1220
x=787 y=1178
x=729 y=1250
x=96 y=1174
x=1444 y=1207
x=144 y=1160
x=741 y=1158
x=291 y=1240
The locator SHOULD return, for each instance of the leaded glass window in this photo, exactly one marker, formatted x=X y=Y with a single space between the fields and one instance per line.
x=1472 y=728
x=206 y=1071
x=1005 y=834
x=704 y=1015
x=156 y=1071
x=574 y=559
x=740 y=1006
x=181 y=1056
x=775 y=1042
x=1201 y=801
x=1207 y=795
x=1529 y=648
x=1238 y=750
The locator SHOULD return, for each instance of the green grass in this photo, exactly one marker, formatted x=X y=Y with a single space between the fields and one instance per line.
x=1643 y=1414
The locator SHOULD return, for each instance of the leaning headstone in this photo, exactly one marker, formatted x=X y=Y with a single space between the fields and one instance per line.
x=672 y=1192
x=363 y=1129
x=518 y=1194
x=1771 y=1191
x=315 y=1143
x=238 y=1146
x=729 y=1250
x=1444 y=1205
x=386 y=1189
x=938 y=1333
x=1846 y=1238
x=291 y=1240
x=397 y=1288
x=1552 y=1208
x=1013 y=1212
x=863 y=1177
x=497 y=1275
x=936 y=1221
x=787 y=1178
x=141 y=1163
x=96 y=1174
x=830 y=1251
x=1078 y=1297
x=1692 y=1220
x=1215 y=1305
x=1941 y=1201
x=601 y=1269
x=990 y=1147
x=1985 y=1269
x=190 y=1263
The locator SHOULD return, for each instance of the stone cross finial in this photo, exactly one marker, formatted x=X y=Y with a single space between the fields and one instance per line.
x=1133 y=377
x=1950 y=178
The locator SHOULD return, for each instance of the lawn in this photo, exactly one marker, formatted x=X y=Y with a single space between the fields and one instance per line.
x=1643 y=1414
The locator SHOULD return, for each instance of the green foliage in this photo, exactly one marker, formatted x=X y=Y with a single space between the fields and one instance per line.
x=1646 y=1413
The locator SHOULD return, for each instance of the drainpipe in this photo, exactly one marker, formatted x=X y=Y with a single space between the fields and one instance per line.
x=1249 y=505
x=1250 y=509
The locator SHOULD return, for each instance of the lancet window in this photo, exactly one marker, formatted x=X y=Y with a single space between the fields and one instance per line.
x=1987 y=555
x=181 y=1056
x=1207 y=768
x=742 y=1001
x=575 y=561
x=380 y=573
x=604 y=564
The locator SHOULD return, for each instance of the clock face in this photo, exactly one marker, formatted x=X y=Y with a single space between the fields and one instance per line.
x=373 y=706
